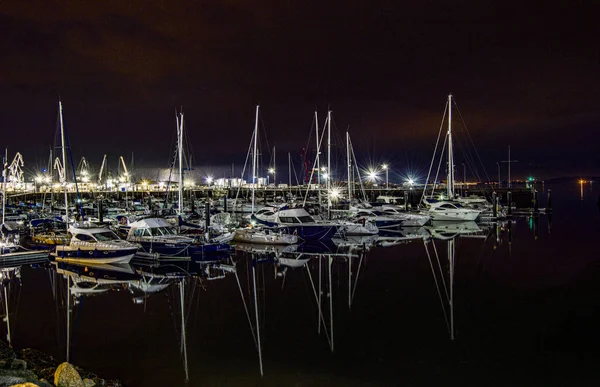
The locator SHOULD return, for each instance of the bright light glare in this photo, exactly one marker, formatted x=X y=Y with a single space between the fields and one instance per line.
x=372 y=175
x=209 y=180
x=384 y=166
x=271 y=170
x=326 y=176
x=334 y=193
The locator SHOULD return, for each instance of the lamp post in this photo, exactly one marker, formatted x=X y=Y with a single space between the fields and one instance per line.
x=372 y=175
x=272 y=171
x=36 y=181
x=498 y=163
x=386 y=169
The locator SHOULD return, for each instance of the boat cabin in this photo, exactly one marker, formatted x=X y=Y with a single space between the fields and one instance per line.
x=92 y=235
x=296 y=215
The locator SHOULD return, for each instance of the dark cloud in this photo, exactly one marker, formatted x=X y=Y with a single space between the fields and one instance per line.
x=522 y=74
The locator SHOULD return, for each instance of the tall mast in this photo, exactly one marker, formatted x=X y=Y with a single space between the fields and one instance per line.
x=274 y=168
x=4 y=177
x=68 y=318
x=290 y=171
x=254 y=156
x=318 y=159
x=328 y=159
x=349 y=161
x=180 y=156
x=64 y=162
x=451 y=253
x=450 y=182
x=509 y=160
x=183 y=335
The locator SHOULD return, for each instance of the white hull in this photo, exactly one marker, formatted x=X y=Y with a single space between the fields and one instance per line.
x=264 y=238
x=454 y=216
x=358 y=229
x=92 y=261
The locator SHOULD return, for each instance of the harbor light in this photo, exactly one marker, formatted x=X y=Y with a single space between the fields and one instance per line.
x=271 y=170
x=387 y=170
x=209 y=180
x=39 y=179
x=325 y=176
x=334 y=194
x=410 y=181
x=372 y=175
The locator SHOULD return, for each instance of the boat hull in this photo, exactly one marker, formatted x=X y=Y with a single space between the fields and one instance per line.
x=250 y=236
x=95 y=256
x=195 y=251
x=452 y=216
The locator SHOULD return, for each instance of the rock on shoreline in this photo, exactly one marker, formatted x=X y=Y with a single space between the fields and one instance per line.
x=30 y=367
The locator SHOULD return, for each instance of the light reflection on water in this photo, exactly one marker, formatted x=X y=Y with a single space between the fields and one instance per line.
x=496 y=303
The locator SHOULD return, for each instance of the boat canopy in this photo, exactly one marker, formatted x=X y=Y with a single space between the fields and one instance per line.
x=150 y=223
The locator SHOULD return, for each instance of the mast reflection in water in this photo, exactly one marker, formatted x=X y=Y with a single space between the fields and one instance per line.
x=497 y=303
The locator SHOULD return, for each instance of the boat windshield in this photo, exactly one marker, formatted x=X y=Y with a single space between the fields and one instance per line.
x=288 y=219
x=306 y=219
x=105 y=236
x=159 y=231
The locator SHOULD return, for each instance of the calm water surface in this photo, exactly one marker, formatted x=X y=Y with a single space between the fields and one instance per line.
x=521 y=306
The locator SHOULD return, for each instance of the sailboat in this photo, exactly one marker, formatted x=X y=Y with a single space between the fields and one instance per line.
x=273 y=236
x=447 y=209
x=446 y=293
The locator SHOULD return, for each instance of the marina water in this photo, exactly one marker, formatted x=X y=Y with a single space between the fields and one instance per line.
x=519 y=307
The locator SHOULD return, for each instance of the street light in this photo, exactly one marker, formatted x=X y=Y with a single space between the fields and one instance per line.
x=372 y=175
x=334 y=194
x=386 y=169
x=272 y=171
x=498 y=163
x=36 y=181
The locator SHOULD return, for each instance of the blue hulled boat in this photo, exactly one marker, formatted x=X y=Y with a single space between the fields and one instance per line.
x=159 y=238
x=298 y=222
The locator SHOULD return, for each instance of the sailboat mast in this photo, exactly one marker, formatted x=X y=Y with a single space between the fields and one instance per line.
x=328 y=160
x=318 y=158
x=349 y=160
x=254 y=156
x=450 y=182
x=290 y=171
x=4 y=177
x=68 y=318
x=8 y=335
x=64 y=162
x=180 y=156
x=451 y=252
x=509 y=160
x=183 y=335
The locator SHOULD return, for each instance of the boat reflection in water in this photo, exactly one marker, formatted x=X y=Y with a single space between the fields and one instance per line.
x=141 y=279
x=443 y=272
x=10 y=277
x=319 y=262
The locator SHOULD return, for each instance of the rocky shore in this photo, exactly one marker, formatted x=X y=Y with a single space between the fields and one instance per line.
x=30 y=368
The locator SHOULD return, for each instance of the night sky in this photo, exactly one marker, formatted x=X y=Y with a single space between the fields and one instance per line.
x=523 y=74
